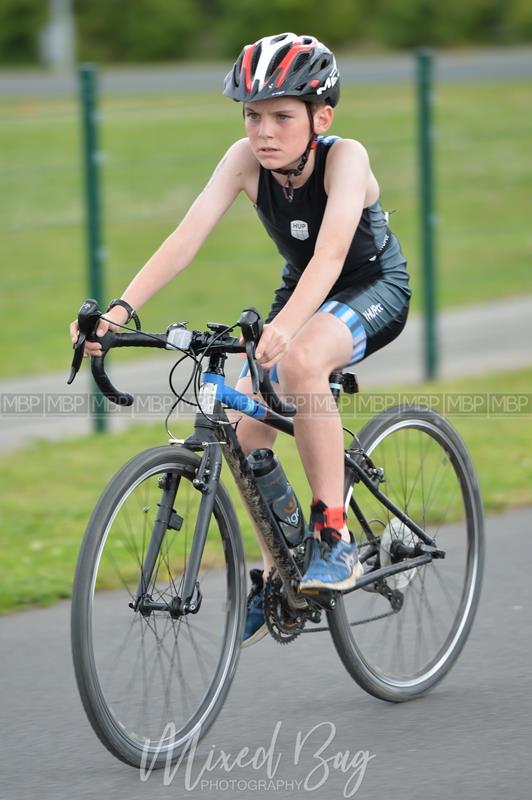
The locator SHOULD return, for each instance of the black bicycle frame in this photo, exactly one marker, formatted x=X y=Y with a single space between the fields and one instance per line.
x=216 y=436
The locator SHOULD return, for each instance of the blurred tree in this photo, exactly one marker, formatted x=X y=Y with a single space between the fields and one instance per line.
x=156 y=30
x=518 y=21
x=20 y=22
x=245 y=21
x=146 y=30
x=397 y=23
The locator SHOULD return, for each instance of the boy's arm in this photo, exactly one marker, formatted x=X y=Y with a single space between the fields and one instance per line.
x=233 y=173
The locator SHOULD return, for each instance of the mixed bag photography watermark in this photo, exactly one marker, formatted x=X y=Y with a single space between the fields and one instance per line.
x=304 y=763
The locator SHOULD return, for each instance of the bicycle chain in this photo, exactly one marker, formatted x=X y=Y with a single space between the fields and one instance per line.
x=286 y=631
x=352 y=624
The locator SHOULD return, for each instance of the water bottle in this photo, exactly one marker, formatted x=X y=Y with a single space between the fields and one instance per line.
x=274 y=487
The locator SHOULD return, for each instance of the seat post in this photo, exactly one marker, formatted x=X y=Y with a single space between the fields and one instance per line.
x=336 y=381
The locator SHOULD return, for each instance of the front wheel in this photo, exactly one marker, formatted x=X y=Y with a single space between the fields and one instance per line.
x=400 y=642
x=152 y=681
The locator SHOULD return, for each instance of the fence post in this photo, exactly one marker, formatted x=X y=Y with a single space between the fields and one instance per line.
x=427 y=215
x=92 y=157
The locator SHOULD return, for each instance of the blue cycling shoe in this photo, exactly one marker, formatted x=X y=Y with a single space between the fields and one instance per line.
x=256 y=627
x=334 y=564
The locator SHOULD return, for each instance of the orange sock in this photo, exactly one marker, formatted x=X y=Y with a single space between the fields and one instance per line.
x=322 y=516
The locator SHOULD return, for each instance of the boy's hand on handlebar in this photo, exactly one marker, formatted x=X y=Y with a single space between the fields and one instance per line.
x=272 y=345
x=116 y=314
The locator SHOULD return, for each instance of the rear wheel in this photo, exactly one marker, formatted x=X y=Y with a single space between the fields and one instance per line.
x=400 y=645
x=152 y=681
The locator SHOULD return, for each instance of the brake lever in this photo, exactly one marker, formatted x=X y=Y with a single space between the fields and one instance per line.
x=77 y=358
x=251 y=325
x=88 y=318
x=254 y=367
x=262 y=384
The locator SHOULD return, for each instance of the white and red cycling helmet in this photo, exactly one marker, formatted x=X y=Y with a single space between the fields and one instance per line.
x=284 y=65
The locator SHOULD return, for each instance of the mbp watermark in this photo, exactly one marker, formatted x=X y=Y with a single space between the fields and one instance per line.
x=312 y=752
x=476 y=405
x=84 y=404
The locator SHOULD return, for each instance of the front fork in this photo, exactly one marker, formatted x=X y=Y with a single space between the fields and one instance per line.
x=206 y=481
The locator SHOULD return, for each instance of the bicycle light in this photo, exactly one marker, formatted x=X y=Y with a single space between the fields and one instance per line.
x=178 y=337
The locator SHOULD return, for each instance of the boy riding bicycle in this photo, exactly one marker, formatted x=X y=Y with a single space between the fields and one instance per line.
x=344 y=291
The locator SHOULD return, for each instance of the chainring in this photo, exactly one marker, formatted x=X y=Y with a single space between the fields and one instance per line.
x=283 y=623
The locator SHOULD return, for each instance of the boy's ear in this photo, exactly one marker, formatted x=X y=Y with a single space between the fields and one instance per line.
x=323 y=118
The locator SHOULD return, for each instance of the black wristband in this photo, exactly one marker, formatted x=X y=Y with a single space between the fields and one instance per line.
x=132 y=314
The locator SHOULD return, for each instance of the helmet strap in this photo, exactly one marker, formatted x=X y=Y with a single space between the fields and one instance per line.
x=288 y=188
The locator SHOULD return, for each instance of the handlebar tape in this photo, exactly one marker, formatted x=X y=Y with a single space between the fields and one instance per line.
x=105 y=385
x=271 y=397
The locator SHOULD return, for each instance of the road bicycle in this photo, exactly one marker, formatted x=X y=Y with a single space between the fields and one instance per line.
x=159 y=594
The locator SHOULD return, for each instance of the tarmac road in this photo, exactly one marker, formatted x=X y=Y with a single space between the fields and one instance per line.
x=468 y=739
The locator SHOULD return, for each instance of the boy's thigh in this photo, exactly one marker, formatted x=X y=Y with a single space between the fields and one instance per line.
x=323 y=343
x=380 y=312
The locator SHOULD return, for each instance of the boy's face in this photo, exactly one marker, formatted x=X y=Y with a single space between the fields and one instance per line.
x=279 y=129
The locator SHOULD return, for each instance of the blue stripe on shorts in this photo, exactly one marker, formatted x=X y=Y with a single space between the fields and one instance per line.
x=350 y=318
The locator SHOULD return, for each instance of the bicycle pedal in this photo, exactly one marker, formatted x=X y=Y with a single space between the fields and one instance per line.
x=325 y=598
x=311 y=591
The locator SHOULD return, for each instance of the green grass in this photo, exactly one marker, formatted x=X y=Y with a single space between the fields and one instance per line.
x=49 y=490
x=161 y=150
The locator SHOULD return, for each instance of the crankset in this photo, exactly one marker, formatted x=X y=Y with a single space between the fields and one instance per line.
x=283 y=622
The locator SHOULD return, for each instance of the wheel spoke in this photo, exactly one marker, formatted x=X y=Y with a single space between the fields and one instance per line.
x=429 y=477
x=148 y=668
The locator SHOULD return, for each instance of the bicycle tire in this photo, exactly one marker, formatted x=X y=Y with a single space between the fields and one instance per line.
x=382 y=649
x=121 y=657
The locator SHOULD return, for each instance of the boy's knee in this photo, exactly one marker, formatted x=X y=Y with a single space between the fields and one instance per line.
x=298 y=361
